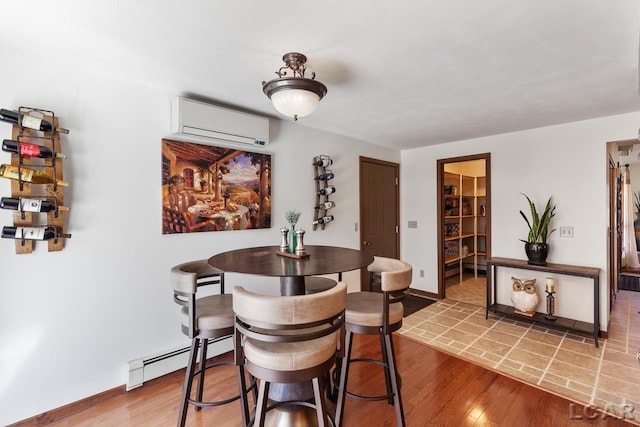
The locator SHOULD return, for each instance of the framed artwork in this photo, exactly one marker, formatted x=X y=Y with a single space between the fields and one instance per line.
x=210 y=188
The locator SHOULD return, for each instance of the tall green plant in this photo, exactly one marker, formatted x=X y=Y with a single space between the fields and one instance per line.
x=539 y=224
x=636 y=199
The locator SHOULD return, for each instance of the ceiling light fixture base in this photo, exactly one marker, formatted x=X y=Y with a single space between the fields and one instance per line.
x=294 y=96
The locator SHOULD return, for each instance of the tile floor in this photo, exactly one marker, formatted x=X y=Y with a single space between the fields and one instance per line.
x=472 y=290
x=569 y=365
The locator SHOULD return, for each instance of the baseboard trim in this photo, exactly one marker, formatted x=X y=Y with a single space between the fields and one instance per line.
x=423 y=293
x=157 y=365
x=58 y=414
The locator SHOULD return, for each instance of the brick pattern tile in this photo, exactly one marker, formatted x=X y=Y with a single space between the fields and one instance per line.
x=563 y=363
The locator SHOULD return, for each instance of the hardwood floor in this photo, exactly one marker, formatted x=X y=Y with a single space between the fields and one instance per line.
x=438 y=390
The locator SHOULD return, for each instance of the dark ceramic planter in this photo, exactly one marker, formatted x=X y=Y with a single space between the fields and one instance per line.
x=537 y=253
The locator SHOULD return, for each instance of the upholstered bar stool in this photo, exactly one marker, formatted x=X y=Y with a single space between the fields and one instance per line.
x=288 y=339
x=377 y=313
x=204 y=318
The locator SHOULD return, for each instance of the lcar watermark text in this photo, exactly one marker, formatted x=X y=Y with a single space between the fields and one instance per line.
x=622 y=411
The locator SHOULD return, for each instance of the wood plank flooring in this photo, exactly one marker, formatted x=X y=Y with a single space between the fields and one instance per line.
x=438 y=390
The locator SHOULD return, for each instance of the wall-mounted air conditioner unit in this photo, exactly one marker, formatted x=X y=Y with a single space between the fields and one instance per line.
x=196 y=118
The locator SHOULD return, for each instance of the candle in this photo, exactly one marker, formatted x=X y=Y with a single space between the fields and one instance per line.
x=550 y=285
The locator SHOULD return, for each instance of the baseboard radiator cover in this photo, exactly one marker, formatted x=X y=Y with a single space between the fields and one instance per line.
x=150 y=367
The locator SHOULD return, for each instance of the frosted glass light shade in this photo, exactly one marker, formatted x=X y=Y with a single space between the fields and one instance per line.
x=295 y=102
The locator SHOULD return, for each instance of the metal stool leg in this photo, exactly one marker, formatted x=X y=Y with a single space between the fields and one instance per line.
x=387 y=370
x=321 y=404
x=203 y=367
x=186 y=388
x=394 y=381
x=344 y=376
x=261 y=405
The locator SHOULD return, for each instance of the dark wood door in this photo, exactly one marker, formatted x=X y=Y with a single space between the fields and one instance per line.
x=379 y=209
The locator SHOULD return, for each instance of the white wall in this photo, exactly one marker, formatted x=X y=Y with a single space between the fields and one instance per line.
x=70 y=320
x=568 y=162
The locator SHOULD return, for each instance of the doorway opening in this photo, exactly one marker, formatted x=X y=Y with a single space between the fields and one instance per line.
x=464 y=227
x=624 y=216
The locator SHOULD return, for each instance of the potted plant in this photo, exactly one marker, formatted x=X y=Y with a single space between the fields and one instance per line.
x=536 y=245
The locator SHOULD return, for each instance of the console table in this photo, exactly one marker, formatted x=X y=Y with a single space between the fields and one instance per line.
x=560 y=322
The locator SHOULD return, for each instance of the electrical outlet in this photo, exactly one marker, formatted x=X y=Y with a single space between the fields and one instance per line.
x=566 y=231
x=412 y=224
x=421 y=273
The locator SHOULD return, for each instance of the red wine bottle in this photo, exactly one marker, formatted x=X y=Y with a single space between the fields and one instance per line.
x=26 y=204
x=323 y=162
x=28 y=121
x=33 y=233
x=324 y=220
x=327 y=190
x=28 y=149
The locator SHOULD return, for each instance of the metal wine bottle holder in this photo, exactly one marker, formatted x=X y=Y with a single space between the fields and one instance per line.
x=50 y=166
x=320 y=164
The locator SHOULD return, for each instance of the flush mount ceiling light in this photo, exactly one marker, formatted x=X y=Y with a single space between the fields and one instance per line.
x=294 y=96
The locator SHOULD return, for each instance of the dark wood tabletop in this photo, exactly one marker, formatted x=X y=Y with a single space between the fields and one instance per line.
x=264 y=261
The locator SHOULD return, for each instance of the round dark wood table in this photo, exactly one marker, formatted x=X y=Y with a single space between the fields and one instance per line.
x=265 y=261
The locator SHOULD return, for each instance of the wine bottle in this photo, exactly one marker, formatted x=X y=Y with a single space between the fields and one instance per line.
x=324 y=220
x=326 y=205
x=28 y=175
x=29 y=205
x=28 y=149
x=47 y=232
x=323 y=162
x=323 y=191
x=325 y=176
x=27 y=121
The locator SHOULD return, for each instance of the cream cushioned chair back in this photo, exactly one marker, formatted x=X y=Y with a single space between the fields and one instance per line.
x=395 y=274
x=184 y=277
x=289 y=310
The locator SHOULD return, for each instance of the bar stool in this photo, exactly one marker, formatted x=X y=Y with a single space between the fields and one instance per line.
x=374 y=313
x=288 y=339
x=205 y=318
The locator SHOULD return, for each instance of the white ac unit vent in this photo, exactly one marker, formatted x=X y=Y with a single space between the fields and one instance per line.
x=196 y=118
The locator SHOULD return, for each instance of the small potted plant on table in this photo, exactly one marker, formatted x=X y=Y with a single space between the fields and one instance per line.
x=536 y=245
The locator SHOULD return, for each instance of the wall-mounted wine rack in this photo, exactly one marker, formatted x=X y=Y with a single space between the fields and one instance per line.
x=53 y=193
x=322 y=177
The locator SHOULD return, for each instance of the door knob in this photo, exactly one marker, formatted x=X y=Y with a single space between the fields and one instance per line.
x=365 y=243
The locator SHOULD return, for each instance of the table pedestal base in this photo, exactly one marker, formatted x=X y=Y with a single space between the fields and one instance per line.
x=292 y=285
x=297 y=416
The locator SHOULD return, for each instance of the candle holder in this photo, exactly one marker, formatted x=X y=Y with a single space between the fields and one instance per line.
x=551 y=306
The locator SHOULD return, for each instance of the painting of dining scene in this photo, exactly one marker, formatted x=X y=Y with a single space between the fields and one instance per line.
x=211 y=188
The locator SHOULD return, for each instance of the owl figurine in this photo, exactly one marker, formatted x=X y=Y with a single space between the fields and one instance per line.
x=524 y=296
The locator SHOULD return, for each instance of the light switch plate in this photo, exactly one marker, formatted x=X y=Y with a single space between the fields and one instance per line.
x=413 y=224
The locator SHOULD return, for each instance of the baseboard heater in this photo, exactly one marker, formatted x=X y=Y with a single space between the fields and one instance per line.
x=148 y=368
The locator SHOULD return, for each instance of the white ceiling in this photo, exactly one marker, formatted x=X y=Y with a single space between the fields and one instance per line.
x=402 y=74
